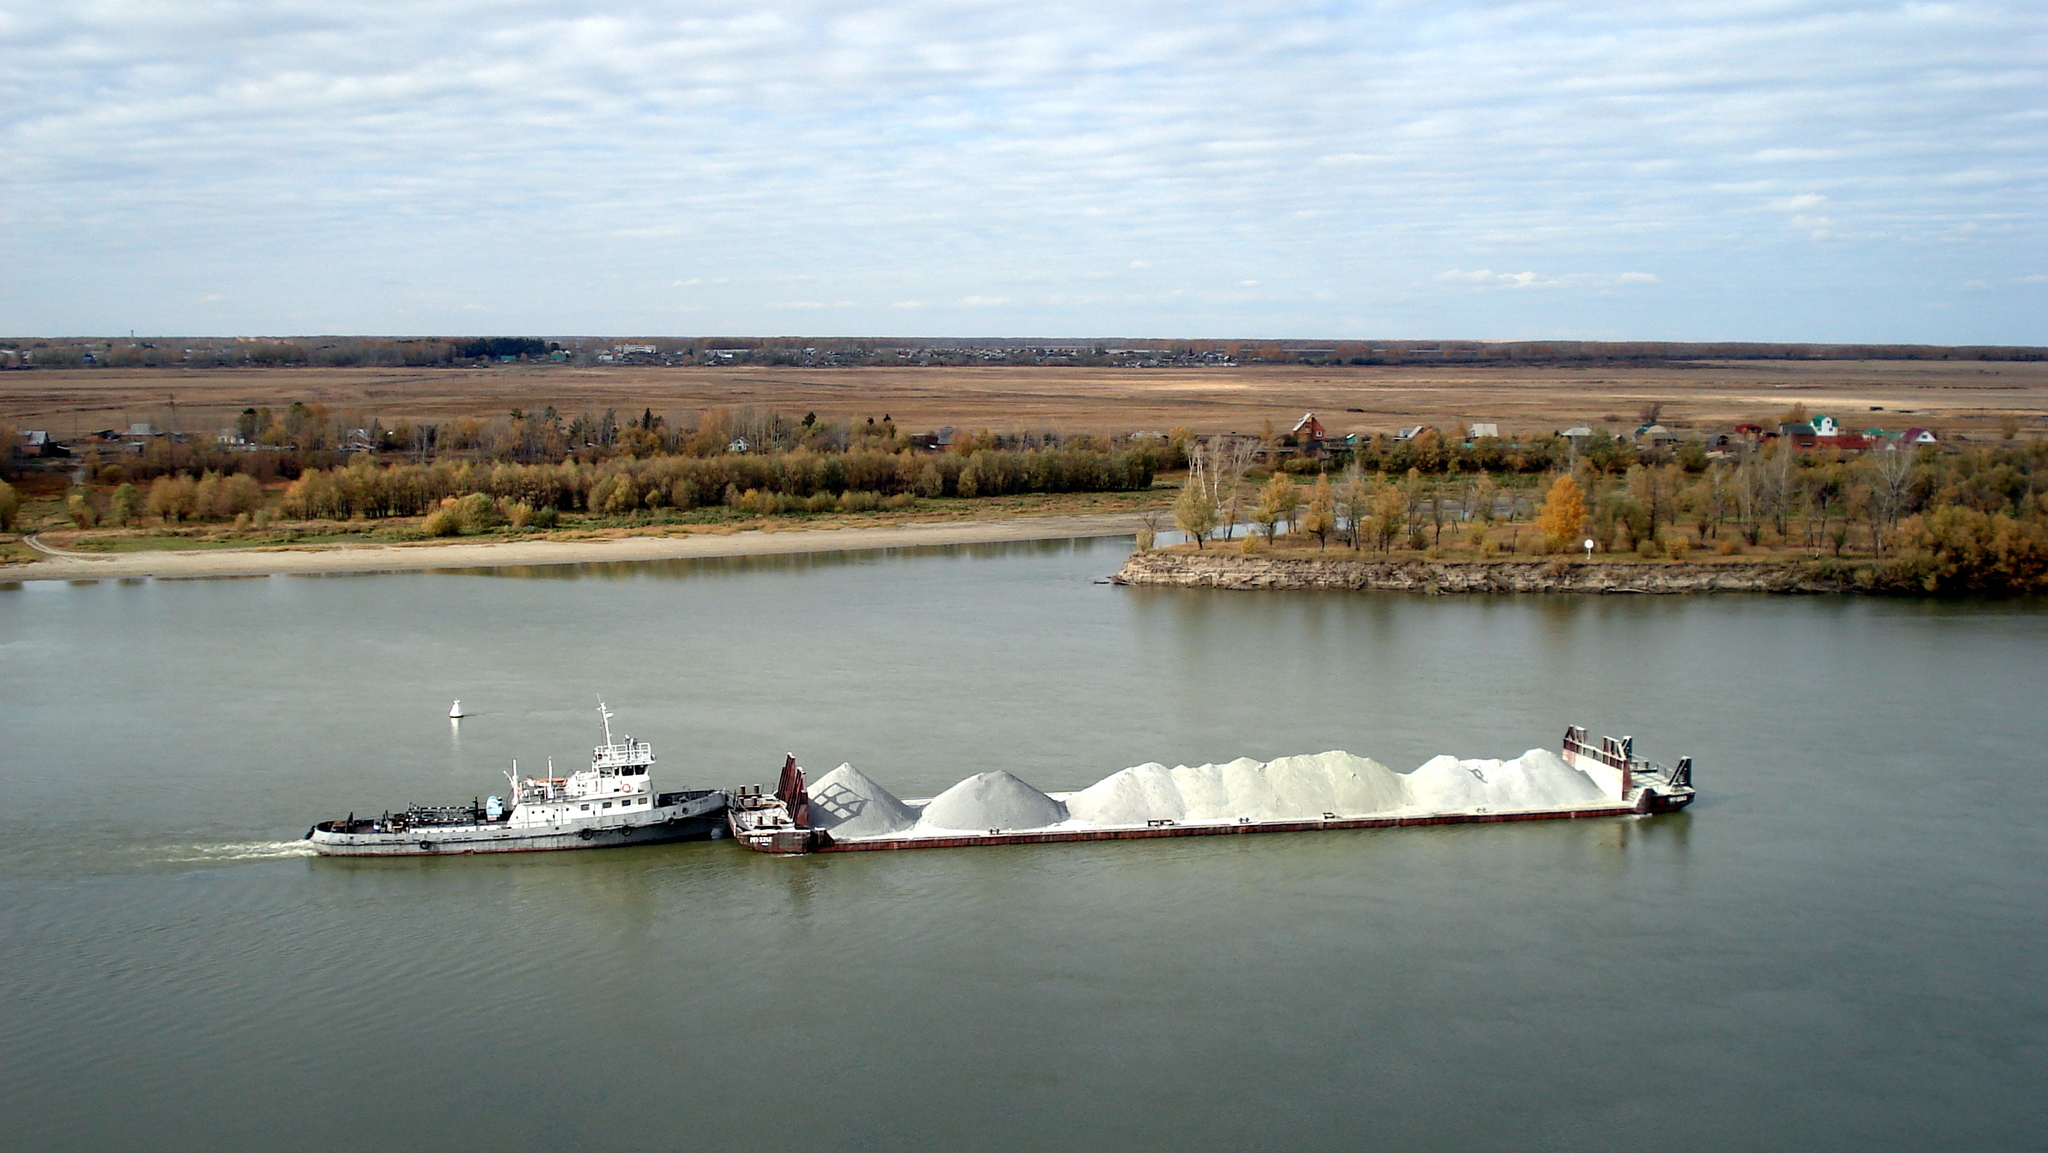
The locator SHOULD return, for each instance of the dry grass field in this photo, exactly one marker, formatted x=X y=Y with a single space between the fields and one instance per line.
x=1958 y=396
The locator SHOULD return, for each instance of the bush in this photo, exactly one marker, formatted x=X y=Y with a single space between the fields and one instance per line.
x=478 y=512
x=851 y=501
x=443 y=521
x=545 y=518
x=1729 y=547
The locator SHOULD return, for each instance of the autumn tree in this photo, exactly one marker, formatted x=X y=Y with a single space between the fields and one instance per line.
x=1389 y=513
x=1322 y=512
x=1194 y=511
x=1354 y=500
x=1278 y=502
x=1564 y=512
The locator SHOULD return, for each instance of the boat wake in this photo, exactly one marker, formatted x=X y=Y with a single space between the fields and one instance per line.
x=247 y=851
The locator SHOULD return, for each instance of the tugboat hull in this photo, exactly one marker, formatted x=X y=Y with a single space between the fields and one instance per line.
x=696 y=819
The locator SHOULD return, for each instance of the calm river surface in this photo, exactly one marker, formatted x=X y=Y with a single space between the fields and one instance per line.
x=1841 y=946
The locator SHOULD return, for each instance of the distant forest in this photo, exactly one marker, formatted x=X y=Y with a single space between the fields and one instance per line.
x=821 y=352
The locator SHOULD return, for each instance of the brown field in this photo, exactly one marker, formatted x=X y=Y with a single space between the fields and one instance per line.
x=1949 y=396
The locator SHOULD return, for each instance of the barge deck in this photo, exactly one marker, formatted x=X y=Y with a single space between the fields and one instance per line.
x=780 y=822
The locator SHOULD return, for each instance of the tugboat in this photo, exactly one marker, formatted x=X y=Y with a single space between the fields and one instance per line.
x=611 y=803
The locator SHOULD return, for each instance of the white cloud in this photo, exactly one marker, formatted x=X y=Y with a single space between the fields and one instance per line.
x=1488 y=278
x=899 y=150
x=1819 y=227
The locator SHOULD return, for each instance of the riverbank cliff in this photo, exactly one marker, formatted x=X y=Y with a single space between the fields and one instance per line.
x=1221 y=570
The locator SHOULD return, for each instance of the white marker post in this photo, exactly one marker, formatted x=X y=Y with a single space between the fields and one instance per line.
x=1589 y=549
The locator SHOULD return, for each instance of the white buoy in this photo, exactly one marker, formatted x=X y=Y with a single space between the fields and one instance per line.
x=455 y=710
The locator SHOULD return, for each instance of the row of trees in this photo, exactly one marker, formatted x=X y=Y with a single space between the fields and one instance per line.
x=625 y=485
x=274 y=443
x=1975 y=519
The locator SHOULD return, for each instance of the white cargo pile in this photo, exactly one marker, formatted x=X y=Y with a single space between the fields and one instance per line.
x=1302 y=788
x=1538 y=779
x=986 y=801
x=1288 y=789
x=850 y=805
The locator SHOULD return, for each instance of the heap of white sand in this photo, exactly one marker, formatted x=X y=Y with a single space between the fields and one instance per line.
x=1302 y=788
x=849 y=804
x=985 y=801
x=1306 y=787
x=1538 y=779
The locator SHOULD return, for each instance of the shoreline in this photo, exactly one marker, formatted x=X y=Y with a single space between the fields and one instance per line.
x=361 y=558
x=1218 y=570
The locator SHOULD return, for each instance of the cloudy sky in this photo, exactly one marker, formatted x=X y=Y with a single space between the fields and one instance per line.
x=1742 y=169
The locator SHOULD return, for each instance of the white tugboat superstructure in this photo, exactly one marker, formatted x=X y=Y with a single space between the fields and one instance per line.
x=613 y=802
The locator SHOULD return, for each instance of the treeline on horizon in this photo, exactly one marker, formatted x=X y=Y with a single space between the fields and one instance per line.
x=431 y=351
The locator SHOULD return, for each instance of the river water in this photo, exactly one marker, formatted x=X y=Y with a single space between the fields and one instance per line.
x=1841 y=946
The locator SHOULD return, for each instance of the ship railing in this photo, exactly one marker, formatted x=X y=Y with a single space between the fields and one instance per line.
x=443 y=814
x=1620 y=753
x=622 y=754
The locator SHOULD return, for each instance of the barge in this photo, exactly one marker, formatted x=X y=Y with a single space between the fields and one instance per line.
x=611 y=803
x=792 y=821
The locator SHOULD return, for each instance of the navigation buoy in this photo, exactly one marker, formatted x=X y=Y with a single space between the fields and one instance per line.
x=455 y=710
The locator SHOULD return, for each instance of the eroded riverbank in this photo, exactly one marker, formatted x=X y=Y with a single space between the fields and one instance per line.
x=1221 y=570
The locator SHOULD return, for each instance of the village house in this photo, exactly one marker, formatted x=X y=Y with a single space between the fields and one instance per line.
x=1308 y=436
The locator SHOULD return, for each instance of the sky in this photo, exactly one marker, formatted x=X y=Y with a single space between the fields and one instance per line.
x=1736 y=170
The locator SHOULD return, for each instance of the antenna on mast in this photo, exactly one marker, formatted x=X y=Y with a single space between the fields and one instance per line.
x=607 y=715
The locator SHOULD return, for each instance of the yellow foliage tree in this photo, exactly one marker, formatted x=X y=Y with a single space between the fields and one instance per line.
x=1564 y=513
x=1322 y=512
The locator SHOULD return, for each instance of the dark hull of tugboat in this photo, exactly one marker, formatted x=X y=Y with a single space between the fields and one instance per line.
x=357 y=839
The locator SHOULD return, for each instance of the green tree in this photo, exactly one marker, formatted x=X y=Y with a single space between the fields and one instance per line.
x=125 y=505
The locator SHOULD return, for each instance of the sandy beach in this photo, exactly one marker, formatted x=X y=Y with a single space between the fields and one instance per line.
x=72 y=566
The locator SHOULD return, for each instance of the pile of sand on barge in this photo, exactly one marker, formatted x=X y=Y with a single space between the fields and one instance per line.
x=853 y=807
